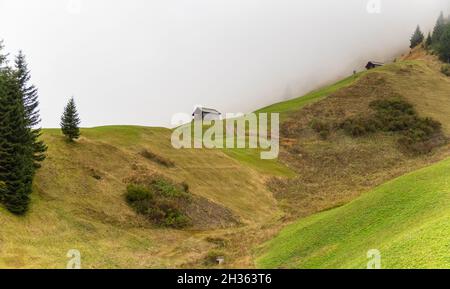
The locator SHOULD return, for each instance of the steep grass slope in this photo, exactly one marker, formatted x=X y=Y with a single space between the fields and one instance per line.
x=407 y=220
x=418 y=78
x=78 y=202
x=290 y=106
x=335 y=168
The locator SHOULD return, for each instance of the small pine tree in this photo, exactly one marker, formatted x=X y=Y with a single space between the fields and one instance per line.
x=444 y=44
x=70 y=121
x=417 y=38
x=438 y=29
x=428 y=42
x=31 y=103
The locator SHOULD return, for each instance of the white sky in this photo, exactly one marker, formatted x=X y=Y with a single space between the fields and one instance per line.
x=141 y=61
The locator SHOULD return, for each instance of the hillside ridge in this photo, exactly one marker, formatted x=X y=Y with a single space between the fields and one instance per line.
x=79 y=194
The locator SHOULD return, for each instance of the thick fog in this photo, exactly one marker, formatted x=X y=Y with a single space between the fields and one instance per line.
x=141 y=61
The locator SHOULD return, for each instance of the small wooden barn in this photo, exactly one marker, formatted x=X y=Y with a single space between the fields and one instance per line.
x=200 y=113
x=373 y=64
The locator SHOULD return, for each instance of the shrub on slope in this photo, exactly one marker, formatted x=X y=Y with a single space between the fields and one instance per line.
x=169 y=204
x=418 y=135
x=334 y=168
x=160 y=200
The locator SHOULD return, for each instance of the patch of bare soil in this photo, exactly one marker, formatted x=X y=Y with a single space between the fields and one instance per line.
x=207 y=215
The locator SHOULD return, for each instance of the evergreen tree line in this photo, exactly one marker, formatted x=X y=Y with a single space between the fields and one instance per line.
x=21 y=150
x=438 y=41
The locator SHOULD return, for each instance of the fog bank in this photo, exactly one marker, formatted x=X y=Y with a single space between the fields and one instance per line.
x=141 y=61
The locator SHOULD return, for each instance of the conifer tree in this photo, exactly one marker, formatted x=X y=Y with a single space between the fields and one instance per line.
x=438 y=29
x=444 y=44
x=31 y=103
x=70 y=121
x=429 y=41
x=16 y=139
x=417 y=38
x=4 y=148
x=16 y=172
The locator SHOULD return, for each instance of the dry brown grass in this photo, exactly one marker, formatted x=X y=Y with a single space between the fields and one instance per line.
x=157 y=158
x=338 y=168
x=72 y=209
x=78 y=200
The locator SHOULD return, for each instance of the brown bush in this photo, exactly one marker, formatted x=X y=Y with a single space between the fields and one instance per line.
x=160 y=200
x=157 y=158
x=320 y=127
x=418 y=135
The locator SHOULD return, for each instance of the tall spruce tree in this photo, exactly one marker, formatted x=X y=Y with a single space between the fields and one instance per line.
x=30 y=100
x=4 y=146
x=417 y=38
x=70 y=121
x=438 y=29
x=444 y=44
x=16 y=165
x=18 y=141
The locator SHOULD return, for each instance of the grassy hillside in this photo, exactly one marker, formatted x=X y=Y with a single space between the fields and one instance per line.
x=78 y=200
x=407 y=220
x=419 y=80
x=335 y=168
x=287 y=107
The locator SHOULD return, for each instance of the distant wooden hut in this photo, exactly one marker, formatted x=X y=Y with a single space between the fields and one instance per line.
x=200 y=113
x=373 y=64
